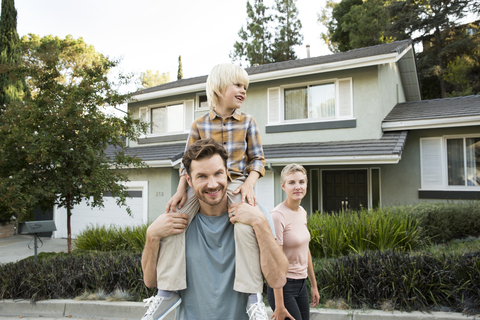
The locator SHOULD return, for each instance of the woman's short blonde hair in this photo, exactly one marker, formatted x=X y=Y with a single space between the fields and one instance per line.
x=292 y=168
x=222 y=76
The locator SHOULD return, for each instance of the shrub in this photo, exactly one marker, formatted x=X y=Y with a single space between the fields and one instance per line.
x=443 y=222
x=113 y=238
x=340 y=234
x=67 y=276
x=406 y=282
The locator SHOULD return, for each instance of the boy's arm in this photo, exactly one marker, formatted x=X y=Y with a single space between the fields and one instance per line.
x=180 y=197
x=247 y=190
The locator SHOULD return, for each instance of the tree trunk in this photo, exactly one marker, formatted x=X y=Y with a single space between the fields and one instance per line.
x=69 y=227
x=438 y=46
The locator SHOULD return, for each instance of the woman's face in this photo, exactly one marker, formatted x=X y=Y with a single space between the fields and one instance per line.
x=295 y=185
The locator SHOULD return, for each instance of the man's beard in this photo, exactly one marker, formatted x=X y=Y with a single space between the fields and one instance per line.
x=205 y=199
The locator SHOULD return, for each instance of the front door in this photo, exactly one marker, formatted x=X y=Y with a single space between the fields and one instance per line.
x=344 y=190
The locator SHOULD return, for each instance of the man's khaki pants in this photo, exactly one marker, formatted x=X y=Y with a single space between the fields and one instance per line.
x=171 y=265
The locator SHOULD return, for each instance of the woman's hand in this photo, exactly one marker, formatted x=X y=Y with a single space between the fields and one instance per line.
x=315 y=297
x=281 y=313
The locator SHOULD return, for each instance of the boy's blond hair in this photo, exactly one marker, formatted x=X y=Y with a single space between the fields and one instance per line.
x=222 y=76
x=292 y=168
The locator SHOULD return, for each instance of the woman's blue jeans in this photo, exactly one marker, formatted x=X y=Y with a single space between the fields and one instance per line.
x=295 y=298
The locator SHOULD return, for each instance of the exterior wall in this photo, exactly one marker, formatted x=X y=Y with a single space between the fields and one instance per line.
x=400 y=182
x=160 y=188
x=390 y=88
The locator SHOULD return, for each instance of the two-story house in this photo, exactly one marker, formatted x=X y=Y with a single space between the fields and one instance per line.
x=355 y=120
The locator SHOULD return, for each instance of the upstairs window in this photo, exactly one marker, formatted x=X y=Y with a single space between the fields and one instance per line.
x=325 y=101
x=168 y=119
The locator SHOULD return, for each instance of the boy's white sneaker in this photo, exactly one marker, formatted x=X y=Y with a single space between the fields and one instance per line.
x=256 y=311
x=159 y=307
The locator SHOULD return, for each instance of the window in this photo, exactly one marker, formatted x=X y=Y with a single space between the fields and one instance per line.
x=463 y=162
x=450 y=162
x=324 y=101
x=168 y=119
x=202 y=103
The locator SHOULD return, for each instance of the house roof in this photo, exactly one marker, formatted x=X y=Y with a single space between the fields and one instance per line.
x=437 y=113
x=387 y=149
x=374 y=55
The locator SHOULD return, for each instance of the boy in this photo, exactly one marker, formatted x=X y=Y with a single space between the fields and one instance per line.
x=239 y=135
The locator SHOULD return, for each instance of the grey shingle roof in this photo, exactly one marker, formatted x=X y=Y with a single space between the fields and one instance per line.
x=397 y=46
x=171 y=152
x=435 y=109
x=391 y=143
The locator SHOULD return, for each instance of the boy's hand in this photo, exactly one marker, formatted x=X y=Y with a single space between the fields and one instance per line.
x=247 y=192
x=178 y=199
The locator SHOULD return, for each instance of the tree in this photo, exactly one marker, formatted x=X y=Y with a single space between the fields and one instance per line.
x=180 y=68
x=355 y=24
x=425 y=20
x=254 y=46
x=59 y=135
x=287 y=32
x=150 y=78
x=12 y=87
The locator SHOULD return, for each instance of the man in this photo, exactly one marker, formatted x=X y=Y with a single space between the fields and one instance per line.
x=210 y=247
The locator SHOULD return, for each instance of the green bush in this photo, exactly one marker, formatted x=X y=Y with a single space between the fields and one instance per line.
x=113 y=238
x=444 y=222
x=406 y=282
x=67 y=276
x=346 y=232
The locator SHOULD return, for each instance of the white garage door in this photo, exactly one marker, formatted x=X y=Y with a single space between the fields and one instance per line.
x=265 y=191
x=111 y=214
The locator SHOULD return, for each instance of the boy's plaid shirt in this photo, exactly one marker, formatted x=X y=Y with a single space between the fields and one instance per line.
x=238 y=134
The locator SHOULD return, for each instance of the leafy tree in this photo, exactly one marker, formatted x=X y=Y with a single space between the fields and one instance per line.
x=59 y=135
x=337 y=38
x=287 y=32
x=426 y=20
x=254 y=46
x=12 y=87
x=150 y=78
x=180 y=68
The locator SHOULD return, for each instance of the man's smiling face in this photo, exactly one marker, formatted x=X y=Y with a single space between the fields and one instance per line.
x=208 y=179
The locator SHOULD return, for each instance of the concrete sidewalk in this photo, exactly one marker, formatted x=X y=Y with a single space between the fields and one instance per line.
x=14 y=248
x=54 y=309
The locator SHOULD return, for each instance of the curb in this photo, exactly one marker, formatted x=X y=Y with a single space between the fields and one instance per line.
x=135 y=311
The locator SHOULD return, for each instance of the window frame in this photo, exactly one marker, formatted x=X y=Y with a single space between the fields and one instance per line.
x=308 y=84
x=198 y=107
x=443 y=185
x=186 y=111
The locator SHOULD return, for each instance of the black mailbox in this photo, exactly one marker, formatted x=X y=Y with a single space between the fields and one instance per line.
x=32 y=227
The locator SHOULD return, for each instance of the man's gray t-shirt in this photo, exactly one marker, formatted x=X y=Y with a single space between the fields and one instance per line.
x=210 y=255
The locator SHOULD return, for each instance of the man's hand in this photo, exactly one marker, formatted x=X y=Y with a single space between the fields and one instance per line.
x=167 y=224
x=178 y=199
x=246 y=214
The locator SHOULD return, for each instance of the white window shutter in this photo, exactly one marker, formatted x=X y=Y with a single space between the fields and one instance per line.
x=188 y=114
x=431 y=161
x=345 y=105
x=274 y=105
x=144 y=116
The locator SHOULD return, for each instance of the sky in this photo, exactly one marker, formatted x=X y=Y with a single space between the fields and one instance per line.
x=151 y=34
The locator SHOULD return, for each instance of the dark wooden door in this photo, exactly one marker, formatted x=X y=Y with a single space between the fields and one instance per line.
x=344 y=190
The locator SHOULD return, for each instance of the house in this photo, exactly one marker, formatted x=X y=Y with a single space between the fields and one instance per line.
x=355 y=120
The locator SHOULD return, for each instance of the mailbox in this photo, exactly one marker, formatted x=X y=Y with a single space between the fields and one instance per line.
x=32 y=227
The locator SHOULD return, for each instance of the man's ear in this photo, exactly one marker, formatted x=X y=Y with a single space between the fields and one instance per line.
x=188 y=179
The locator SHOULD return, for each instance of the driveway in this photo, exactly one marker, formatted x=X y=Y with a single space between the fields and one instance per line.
x=14 y=248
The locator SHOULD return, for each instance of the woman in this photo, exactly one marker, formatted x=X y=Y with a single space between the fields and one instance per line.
x=290 y=219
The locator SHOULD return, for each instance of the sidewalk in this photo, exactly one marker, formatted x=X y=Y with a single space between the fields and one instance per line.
x=55 y=309
x=14 y=248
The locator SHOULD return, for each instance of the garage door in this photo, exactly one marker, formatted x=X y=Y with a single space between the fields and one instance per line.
x=265 y=191
x=111 y=214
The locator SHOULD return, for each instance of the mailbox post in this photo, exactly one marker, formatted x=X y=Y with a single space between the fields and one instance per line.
x=34 y=228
